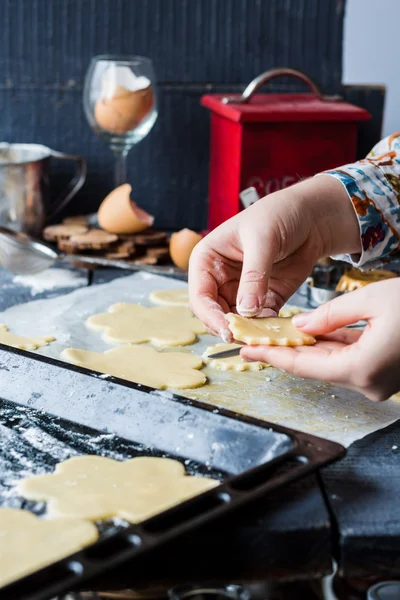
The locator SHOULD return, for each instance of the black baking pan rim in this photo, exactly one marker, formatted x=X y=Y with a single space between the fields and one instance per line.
x=103 y=557
x=305 y=456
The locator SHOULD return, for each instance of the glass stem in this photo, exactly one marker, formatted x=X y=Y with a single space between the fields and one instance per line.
x=120 y=166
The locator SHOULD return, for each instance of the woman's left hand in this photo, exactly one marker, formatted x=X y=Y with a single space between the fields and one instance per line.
x=365 y=361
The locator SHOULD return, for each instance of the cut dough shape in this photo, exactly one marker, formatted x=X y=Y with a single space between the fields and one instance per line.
x=142 y=364
x=178 y=297
x=29 y=544
x=232 y=363
x=163 y=326
x=267 y=331
x=94 y=487
x=22 y=342
x=289 y=311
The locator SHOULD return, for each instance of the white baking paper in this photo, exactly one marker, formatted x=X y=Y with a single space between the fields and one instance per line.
x=310 y=406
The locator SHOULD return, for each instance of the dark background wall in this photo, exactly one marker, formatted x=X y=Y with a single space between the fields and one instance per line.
x=197 y=46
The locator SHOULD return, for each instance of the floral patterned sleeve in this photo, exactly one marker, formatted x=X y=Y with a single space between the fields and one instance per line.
x=373 y=186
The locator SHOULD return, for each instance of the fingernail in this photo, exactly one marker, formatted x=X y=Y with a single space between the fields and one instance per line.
x=249 y=301
x=225 y=335
x=249 y=305
x=301 y=320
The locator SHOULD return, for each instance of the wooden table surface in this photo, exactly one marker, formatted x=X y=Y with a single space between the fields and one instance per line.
x=350 y=511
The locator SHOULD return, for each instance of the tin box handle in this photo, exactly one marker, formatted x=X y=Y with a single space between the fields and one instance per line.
x=259 y=81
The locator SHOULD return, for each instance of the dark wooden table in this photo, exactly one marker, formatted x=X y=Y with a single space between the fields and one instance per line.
x=350 y=512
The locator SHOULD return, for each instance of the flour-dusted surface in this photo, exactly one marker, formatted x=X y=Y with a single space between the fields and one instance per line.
x=51 y=279
x=16 y=289
x=314 y=407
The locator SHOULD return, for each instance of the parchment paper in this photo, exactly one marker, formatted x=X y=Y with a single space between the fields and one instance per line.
x=314 y=407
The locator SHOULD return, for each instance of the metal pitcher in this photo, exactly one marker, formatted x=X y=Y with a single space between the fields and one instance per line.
x=25 y=203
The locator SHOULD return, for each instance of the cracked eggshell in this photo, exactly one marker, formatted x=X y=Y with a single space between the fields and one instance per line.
x=119 y=214
x=181 y=246
x=125 y=110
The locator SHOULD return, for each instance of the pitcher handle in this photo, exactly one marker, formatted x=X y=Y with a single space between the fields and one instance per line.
x=73 y=186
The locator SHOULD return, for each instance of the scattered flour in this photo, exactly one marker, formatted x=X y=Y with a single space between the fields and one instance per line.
x=50 y=279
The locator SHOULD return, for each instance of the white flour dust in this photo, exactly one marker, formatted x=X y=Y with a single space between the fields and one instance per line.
x=49 y=280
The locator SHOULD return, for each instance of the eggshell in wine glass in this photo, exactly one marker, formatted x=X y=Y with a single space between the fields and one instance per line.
x=124 y=112
x=119 y=214
x=117 y=78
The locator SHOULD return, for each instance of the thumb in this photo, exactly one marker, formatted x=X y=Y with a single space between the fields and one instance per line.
x=342 y=311
x=253 y=285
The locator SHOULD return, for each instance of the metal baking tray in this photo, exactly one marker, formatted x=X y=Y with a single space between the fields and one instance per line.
x=250 y=457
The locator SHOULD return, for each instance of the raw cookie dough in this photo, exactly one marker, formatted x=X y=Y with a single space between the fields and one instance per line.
x=233 y=363
x=178 y=297
x=142 y=364
x=21 y=342
x=395 y=397
x=163 y=326
x=29 y=544
x=267 y=331
x=289 y=311
x=94 y=487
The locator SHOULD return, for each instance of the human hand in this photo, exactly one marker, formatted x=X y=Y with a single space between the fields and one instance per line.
x=254 y=262
x=365 y=361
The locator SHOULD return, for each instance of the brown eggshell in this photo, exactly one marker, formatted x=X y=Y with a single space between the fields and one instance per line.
x=181 y=245
x=119 y=214
x=124 y=112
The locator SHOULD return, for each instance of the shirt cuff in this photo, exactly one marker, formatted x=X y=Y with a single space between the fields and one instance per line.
x=375 y=208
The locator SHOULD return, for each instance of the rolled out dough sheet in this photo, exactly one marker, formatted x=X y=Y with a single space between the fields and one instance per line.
x=232 y=363
x=22 y=342
x=28 y=544
x=142 y=364
x=162 y=326
x=311 y=406
x=269 y=331
x=173 y=297
x=94 y=487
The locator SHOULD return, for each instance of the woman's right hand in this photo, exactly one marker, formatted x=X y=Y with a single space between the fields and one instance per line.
x=254 y=262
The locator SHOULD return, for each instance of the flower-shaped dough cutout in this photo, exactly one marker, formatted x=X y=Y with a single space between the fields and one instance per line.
x=142 y=364
x=173 y=297
x=267 y=331
x=163 y=326
x=94 y=487
x=22 y=342
x=231 y=363
x=28 y=544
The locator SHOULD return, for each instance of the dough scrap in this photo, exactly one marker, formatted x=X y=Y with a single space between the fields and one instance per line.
x=94 y=487
x=232 y=363
x=177 y=297
x=162 y=326
x=142 y=364
x=267 y=331
x=22 y=342
x=29 y=544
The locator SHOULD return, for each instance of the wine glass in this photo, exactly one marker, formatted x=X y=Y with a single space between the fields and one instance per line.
x=120 y=103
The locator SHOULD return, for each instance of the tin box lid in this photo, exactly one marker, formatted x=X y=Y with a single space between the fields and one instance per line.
x=264 y=108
